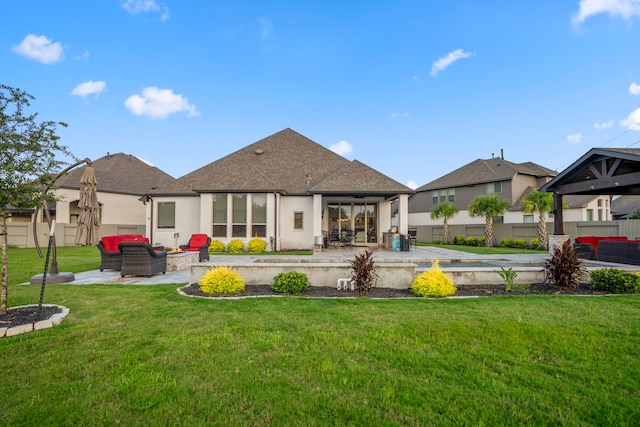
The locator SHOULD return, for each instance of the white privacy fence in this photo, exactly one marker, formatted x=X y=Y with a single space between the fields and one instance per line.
x=20 y=234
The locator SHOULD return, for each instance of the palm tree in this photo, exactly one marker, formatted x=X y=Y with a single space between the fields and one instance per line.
x=489 y=207
x=539 y=203
x=446 y=211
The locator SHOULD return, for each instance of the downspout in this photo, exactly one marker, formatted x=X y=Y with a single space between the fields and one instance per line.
x=275 y=221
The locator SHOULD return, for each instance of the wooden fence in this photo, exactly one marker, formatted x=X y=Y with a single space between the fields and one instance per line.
x=627 y=227
x=20 y=234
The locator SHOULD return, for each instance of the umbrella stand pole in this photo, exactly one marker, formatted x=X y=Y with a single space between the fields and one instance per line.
x=46 y=267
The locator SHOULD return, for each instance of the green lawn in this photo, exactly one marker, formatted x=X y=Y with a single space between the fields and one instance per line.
x=144 y=355
x=483 y=250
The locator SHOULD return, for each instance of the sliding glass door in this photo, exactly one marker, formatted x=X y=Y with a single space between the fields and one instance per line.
x=361 y=218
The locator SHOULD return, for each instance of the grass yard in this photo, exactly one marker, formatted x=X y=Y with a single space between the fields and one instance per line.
x=144 y=355
x=483 y=250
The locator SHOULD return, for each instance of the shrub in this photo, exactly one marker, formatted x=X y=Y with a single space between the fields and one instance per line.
x=458 y=240
x=508 y=275
x=506 y=242
x=256 y=245
x=216 y=246
x=437 y=242
x=433 y=283
x=221 y=280
x=564 y=269
x=482 y=241
x=471 y=241
x=615 y=281
x=520 y=244
x=363 y=272
x=534 y=243
x=290 y=283
x=235 y=246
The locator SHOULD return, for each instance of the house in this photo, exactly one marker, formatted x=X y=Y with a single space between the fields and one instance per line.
x=285 y=189
x=122 y=179
x=625 y=207
x=509 y=181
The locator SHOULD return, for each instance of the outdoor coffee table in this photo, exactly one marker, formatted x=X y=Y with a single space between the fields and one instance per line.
x=181 y=260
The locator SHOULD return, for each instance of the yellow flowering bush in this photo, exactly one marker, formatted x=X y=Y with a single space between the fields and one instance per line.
x=235 y=246
x=221 y=280
x=433 y=283
x=216 y=246
x=256 y=245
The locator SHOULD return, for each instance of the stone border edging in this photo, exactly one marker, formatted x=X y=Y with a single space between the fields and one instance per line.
x=54 y=320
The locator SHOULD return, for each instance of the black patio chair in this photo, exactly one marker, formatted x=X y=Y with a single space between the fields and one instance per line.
x=140 y=259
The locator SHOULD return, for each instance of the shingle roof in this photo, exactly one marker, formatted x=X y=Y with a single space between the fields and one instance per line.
x=481 y=171
x=286 y=162
x=624 y=207
x=119 y=173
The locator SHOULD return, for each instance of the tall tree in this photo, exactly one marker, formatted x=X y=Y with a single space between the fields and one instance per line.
x=29 y=151
x=488 y=206
x=446 y=211
x=539 y=203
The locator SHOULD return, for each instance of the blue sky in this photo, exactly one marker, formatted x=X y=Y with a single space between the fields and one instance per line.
x=414 y=89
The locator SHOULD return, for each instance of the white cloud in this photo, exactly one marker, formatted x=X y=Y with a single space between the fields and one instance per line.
x=342 y=147
x=446 y=61
x=265 y=27
x=84 y=56
x=632 y=121
x=87 y=88
x=634 y=89
x=399 y=115
x=412 y=185
x=604 y=125
x=574 y=138
x=624 y=8
x=135 y=7
x=40 y=48
x=159 y=103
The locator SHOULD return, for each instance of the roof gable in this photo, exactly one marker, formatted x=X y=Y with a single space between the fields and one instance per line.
x=600 y=171
x=369 y=181
x=119 y=173
x=481 y=171
x=286 y=162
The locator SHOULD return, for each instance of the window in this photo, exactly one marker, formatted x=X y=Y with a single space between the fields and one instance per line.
x=239 y=212
x=527 y=219
x=494 y=187
x=599 y=214
x=166 y=215
x=589 y=214
x=297 y=220
x=599 y=203
x=435 y=196
x=219 y=215
x=452 y=194
x=259 y=215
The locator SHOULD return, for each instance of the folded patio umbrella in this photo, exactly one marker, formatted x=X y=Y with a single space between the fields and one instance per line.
x=87 y=232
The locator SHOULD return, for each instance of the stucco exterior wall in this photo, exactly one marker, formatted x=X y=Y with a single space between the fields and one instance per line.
x=290 y=238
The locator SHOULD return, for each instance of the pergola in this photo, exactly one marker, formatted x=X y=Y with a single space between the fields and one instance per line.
x=613 y=171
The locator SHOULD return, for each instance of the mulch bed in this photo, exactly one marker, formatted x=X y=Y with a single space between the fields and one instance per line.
x=461 y=291
x=24 y=315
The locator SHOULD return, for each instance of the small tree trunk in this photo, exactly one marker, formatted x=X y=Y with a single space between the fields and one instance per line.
x=4 y=292
x=542 y=232
x=488 y=232
x=445 y=232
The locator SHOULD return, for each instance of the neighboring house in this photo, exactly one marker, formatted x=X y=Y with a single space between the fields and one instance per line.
x=285 y=189
x=122 y=180
x=625 y=207
x=509 y=181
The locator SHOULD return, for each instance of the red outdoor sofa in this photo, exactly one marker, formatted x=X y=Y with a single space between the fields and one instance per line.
x=619 y=249
x=111 y=257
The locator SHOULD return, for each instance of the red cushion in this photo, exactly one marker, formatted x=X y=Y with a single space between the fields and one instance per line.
x=110 y=243
x=198 y=240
